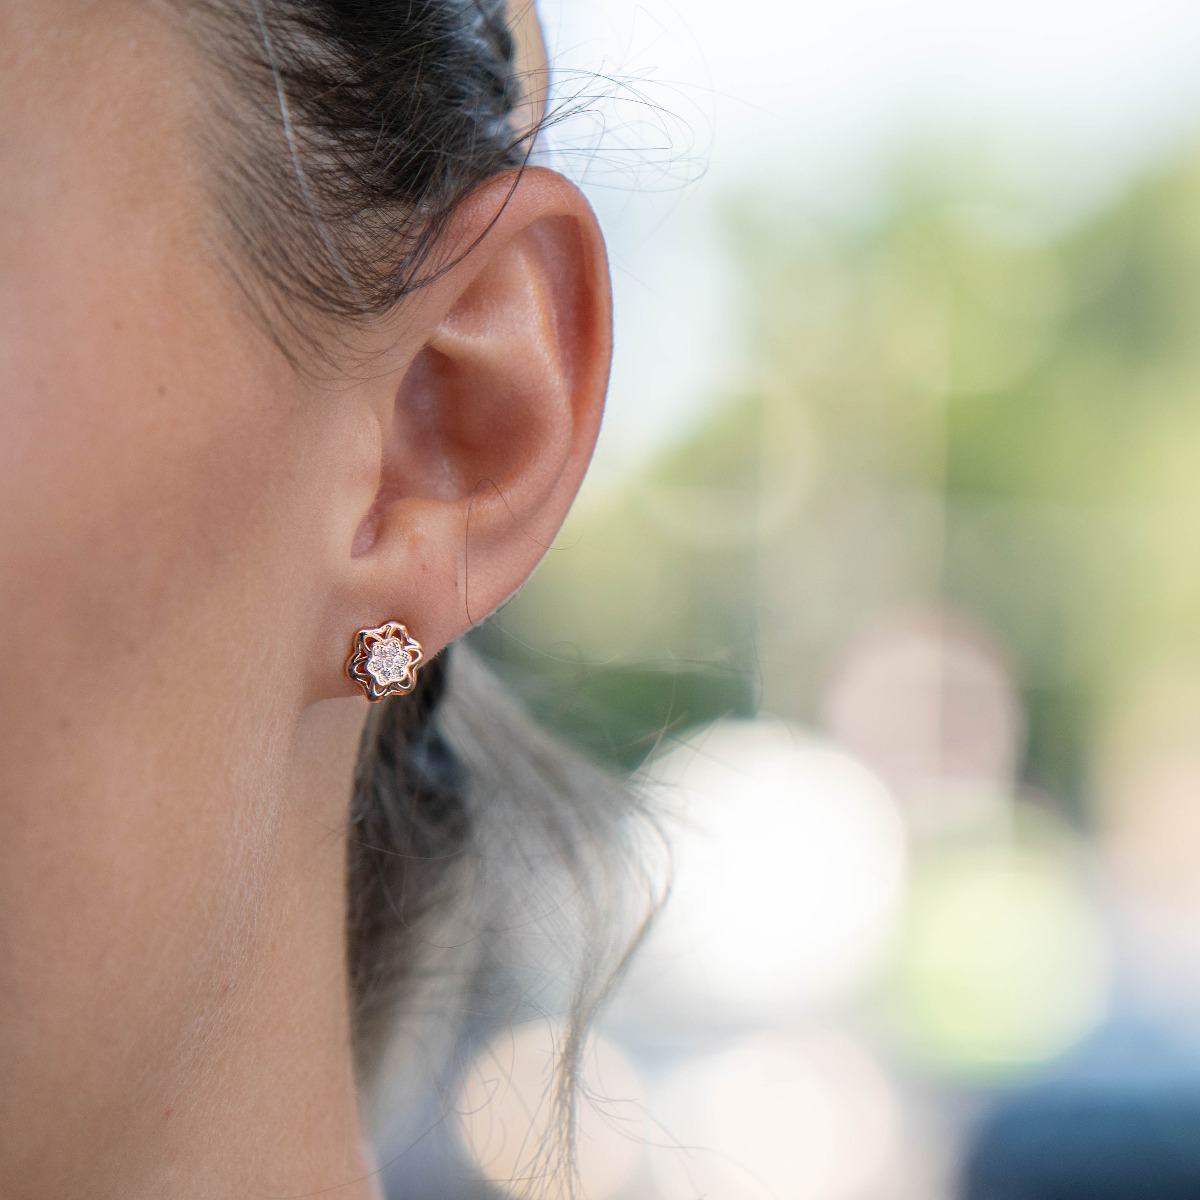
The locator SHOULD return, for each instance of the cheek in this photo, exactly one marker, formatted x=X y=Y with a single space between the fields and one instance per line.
x=133 y=476
x=151 y=518
x=150 y=524
x=146 y=504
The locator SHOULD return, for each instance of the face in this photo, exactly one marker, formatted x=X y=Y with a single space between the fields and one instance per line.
x=156 y=541
x=189 y=533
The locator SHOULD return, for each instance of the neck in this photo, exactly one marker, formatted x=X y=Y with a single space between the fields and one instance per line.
x=281 y=1116
x=271 y=1107
x=174 y=1019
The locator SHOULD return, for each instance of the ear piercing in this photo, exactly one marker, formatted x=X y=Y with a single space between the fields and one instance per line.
x=384 y=661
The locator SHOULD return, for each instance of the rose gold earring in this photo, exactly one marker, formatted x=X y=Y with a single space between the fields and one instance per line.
x=384 y=661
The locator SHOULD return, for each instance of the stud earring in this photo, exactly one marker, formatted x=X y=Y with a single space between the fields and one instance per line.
x=384 y=661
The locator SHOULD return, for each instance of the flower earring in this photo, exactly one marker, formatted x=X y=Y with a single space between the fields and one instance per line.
x=384 y=661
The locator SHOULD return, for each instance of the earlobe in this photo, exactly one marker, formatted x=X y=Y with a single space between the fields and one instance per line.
x=490 y=421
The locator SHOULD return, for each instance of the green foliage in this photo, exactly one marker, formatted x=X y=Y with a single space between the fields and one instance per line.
x=959 y=404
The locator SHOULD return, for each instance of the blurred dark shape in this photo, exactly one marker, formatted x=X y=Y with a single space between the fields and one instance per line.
x=1121 y=1123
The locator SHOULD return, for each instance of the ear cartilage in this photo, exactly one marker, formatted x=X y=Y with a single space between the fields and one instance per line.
x=384 y=661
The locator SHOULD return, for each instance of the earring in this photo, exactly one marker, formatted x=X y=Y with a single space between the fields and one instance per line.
x=384 y=661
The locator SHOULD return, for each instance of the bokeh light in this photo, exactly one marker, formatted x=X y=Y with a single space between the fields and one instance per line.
x=1147 y=784
x=929 y=702
x=785 y=1116
x=1005 y=963
x=1148 y=781
x=788 y=867
x=508 y=1115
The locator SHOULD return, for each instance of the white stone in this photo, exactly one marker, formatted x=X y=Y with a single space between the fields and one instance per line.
x=388 y=661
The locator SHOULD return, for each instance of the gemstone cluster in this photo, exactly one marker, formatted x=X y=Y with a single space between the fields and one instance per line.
x=384 y=661
x=389 y=661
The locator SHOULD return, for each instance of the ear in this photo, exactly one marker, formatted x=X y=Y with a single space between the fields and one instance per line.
x=487 y=419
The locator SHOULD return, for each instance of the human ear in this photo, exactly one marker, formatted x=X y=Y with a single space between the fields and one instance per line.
x=486 y=426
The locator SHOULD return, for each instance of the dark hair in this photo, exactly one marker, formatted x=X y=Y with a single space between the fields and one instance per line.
x=345 y=133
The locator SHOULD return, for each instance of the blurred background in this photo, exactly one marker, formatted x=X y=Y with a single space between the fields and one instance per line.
x=886 y=584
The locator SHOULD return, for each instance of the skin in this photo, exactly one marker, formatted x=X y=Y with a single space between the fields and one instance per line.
x=191 y=532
